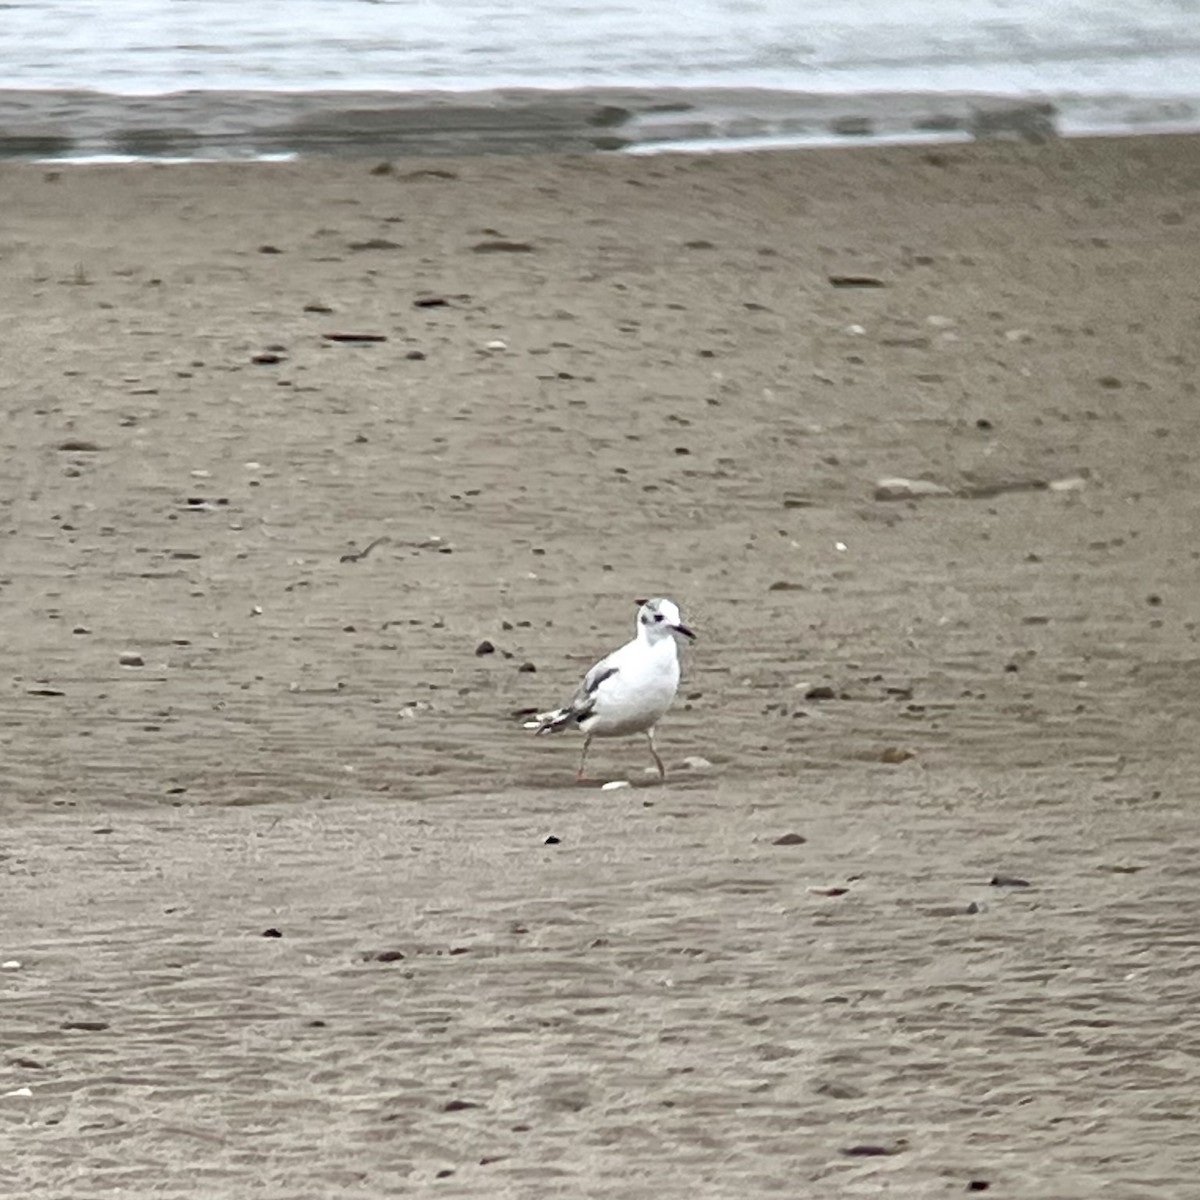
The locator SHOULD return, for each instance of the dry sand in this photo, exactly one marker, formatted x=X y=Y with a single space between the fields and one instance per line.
x=658 y=1004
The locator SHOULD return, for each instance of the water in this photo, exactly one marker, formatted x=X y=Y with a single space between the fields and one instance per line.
x=1109 y=63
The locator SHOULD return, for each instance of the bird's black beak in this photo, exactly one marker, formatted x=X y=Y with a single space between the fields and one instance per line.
x=687 y=633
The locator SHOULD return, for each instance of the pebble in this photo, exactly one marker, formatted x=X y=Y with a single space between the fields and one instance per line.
x=899 y=488
x=130 y=658
x=614 y=785
x=696 y=762
x=484 y=647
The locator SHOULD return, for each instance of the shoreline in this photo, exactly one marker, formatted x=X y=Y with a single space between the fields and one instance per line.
x=72 y=126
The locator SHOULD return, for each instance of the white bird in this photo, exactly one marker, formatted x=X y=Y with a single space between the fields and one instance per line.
x=629 y=690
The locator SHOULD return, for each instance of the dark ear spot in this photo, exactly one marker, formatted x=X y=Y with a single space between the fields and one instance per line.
x=639 y=603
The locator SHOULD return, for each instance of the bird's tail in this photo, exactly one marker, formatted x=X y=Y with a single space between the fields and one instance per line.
x=550 y=722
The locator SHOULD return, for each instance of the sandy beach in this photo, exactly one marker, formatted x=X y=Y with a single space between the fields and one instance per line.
x=293 y=907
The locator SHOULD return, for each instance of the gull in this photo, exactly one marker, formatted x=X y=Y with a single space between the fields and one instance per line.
x=629 y=690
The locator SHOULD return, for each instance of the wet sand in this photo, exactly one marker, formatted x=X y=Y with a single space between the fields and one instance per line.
x=976 y=960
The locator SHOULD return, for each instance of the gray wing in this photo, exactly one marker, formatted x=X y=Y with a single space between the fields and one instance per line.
x=581 y=704
x=584 y=699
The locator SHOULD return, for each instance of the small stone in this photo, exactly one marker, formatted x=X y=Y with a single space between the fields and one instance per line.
x=1073 y=484
x=387 y=956
x=130 y=658
x=79 y=445
x=496 y=344
x=697 y=762
x=790 y=839
x=820 y=692
x=872 y=1151
x=894 y=754
x=272 y=933
x=899 y=488
x=1011 y=881
x=527 y=668
x=552 y=841
x=484 y=647
x=855 y=281
x=615 y=785
x=502 y=247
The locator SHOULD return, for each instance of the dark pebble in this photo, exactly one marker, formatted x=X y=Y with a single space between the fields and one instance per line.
x=527 y=668
x=820 y=693
x=415 y=356
x=86 y=1026
x=458 y=1105
x=855 y=281
x=386 y=956
x=978 y=1185
x=552 y=841
x=431 y=302
x=272 y=933
x=1008 y=881
x=502 y=247
x=484 y=647
x=790 y=839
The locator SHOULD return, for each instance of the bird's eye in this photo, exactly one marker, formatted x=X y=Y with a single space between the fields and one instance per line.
x=658 y=616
